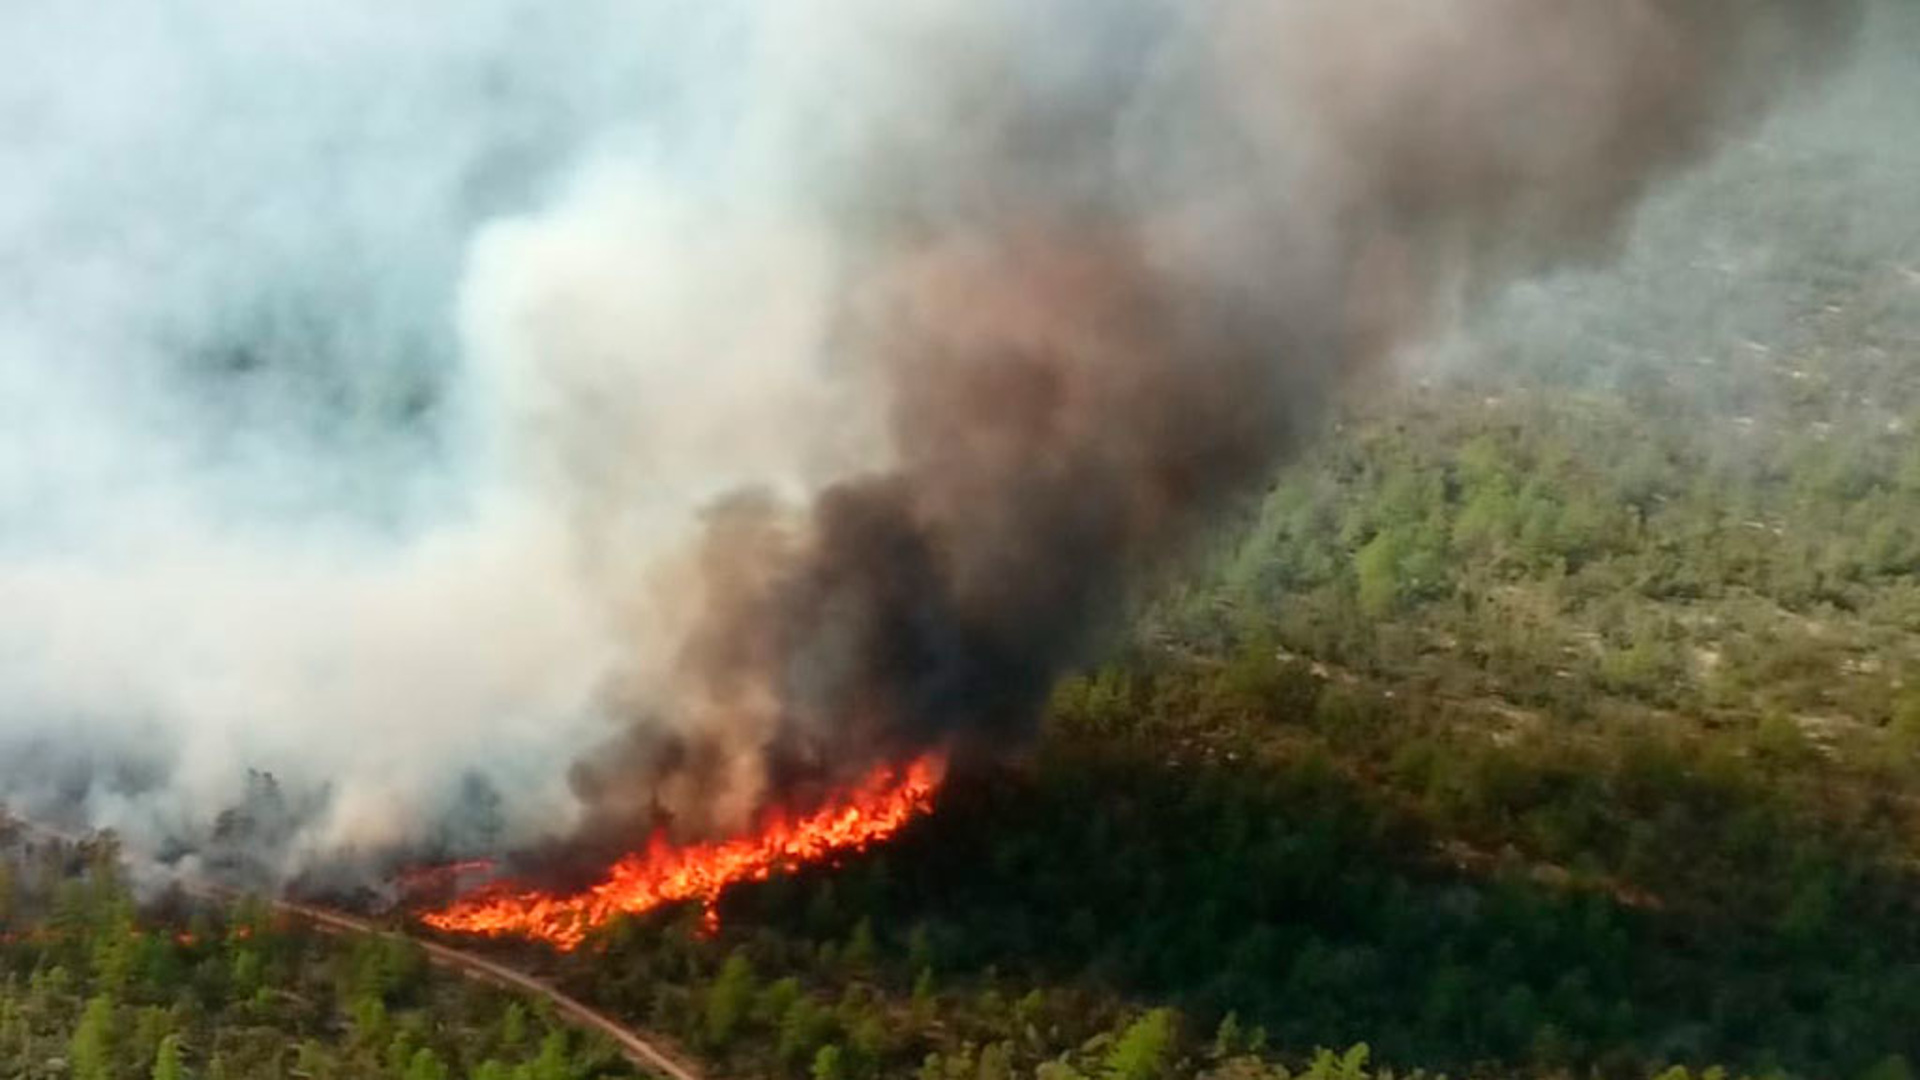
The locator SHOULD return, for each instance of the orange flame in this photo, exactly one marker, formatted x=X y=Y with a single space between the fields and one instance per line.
x=871 y=811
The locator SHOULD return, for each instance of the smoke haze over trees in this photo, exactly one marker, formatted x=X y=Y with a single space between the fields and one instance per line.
x=409 y=405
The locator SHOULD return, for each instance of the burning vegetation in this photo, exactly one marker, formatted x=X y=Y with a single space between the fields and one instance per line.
x=1073 y=351
x=828 y=441
x=1081 y=330
x=870 y=811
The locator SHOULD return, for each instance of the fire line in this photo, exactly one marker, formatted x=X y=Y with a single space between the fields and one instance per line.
x=853 y=820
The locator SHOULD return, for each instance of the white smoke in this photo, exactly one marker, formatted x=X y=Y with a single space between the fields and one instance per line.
x=364 y=369
x=251 y=510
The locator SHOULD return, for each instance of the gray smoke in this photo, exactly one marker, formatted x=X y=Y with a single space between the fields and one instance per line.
x=393 y=400
x=1094 y=300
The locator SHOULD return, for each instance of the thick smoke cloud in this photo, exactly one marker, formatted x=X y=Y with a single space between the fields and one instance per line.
x=244 y=523
x=1103 y=306
x=721 y=397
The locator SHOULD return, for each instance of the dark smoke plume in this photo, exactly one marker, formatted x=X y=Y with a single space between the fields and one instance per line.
x=1092 y=311
x=396 y=400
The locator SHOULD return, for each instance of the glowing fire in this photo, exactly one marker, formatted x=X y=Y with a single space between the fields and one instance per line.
x=871 y=811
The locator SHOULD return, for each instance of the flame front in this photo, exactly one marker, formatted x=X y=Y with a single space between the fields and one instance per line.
x=871 y=811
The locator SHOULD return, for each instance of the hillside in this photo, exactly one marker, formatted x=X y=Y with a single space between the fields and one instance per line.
x=94 y=986
x=1550 y=712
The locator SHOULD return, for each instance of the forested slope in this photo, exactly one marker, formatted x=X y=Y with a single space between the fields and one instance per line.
x=93 y=987
x=1556 y=715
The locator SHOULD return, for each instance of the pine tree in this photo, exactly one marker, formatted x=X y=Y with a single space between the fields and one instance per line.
x=513 y=1026
x=728 y=1000
x=166 y=1063
x=426 y=1065
x=553 y=1063
x=829 y=1063
x=1145 y=1050
x=92 y=1046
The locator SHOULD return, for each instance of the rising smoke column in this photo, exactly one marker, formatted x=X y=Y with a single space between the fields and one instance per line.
x=1106 y=305
x=399 y=401
x=245 y=527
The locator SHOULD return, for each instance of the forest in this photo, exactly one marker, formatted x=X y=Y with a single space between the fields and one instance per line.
x=94 y=986
x=1557 y=715
x=1554 y=715
x=1524 y=729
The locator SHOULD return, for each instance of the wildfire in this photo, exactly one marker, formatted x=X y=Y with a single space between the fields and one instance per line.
x=872 y=810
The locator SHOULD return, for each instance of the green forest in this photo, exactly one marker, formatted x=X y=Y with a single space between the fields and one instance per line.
x=96 y=987
x=1534 y=724
x=1553 y=715
x=1557 y=714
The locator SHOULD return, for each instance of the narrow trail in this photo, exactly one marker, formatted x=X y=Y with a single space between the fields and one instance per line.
x=645 y=1054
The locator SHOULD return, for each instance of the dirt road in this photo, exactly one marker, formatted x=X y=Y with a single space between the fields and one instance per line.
x=646 y=1055
x=642 y=1053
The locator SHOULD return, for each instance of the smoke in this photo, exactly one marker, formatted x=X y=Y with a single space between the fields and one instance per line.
x=1095 y=309
x=244 y=523
x=717 y=397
